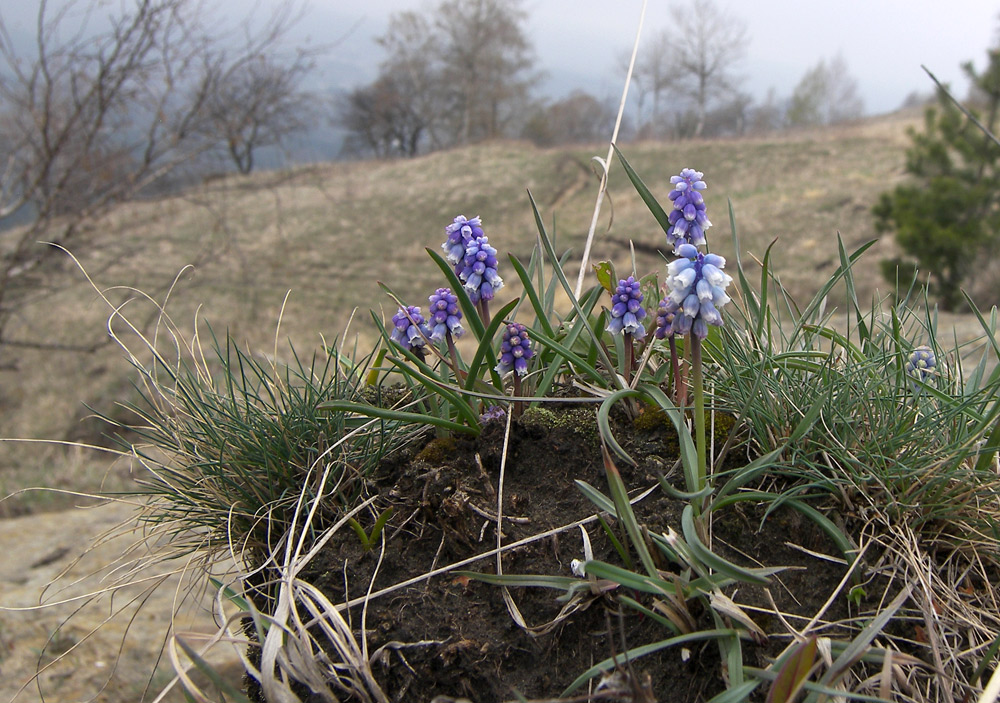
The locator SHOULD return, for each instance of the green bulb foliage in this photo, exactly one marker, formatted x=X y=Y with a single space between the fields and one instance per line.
x=947 y=218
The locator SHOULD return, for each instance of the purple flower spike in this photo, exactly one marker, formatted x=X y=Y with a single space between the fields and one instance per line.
x=479 y=270
x=444 y=315
x=409 y=330
x=627 y=311
x=515 y=350
x=688 y=220
x=460 y=233
x=697 y=292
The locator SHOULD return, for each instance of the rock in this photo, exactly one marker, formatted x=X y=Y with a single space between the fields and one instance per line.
x=103 y=648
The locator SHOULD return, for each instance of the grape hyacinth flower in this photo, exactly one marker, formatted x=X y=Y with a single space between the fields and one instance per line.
x=627 y=311
x=460 y=233
x=697 y=286
x=445 y=322
x=494 y=413
x=626 y=316
x=665 y=314
x=409 y=330
x=921 y=363
x=444 y=315
x=515 y=350
x=479 y=273
x=688 y=220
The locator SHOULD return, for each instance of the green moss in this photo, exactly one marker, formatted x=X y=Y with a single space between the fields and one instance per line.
x=656 y=419
x=581 y=421
x=437 y=450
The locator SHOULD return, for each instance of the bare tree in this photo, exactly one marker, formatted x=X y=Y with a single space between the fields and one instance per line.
x=485 y=60
x=653 y=74
x=259 y=102
x=382 y=118
x=459 y=73
x=577 y=118
x=411 y=73
x=706 y=45
x=102 y=108
x=826 y=94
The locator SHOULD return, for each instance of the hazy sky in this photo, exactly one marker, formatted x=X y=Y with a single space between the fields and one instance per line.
x=578 y=41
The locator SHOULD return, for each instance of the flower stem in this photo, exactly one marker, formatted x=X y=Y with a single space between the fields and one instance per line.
x=699 y=415
x=484 y=311
x=629 y=358
x=453 y=353
x=518 y=405
x=675 y=368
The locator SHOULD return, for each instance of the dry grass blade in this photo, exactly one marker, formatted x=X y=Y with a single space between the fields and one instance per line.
x=602 y=189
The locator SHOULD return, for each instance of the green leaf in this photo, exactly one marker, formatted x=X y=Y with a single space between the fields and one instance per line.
x=551 y=252
x=372 y=378
x=647 y=197
x=596 y=497
x=860 y=644
x=626 y=516
x=205 y=668
x=560 y=583
x=712 y=560
x=486 y=350
x=737 y=694
x=606 y=276
x=638 y=652
x=793 y=673
x=540 y=313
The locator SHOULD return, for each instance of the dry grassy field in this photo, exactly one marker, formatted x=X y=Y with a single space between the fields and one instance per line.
x=325 y=234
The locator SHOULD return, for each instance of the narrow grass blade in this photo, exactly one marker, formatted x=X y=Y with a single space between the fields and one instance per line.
x=712 y=560
x=536 y=303
x=596 y=497
x=749 y=296
x=205 y=668
x=688 y=451
x=604 y=421
x=625 y=514
x=820 y=296
x=485 y=350
x=638 y=652
x=559 y=583
x=650 y=613
x=737 y=694
x=568 y=354
x=647 y=196
x=857 y=647
x=550 y=250
x=852 y=293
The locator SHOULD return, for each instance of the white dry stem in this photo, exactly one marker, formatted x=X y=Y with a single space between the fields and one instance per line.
x=603 y=187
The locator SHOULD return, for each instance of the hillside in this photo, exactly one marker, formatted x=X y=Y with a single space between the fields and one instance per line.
x=326 y=234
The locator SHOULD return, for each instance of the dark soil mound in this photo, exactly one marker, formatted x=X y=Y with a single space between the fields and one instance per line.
x=453 y=635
